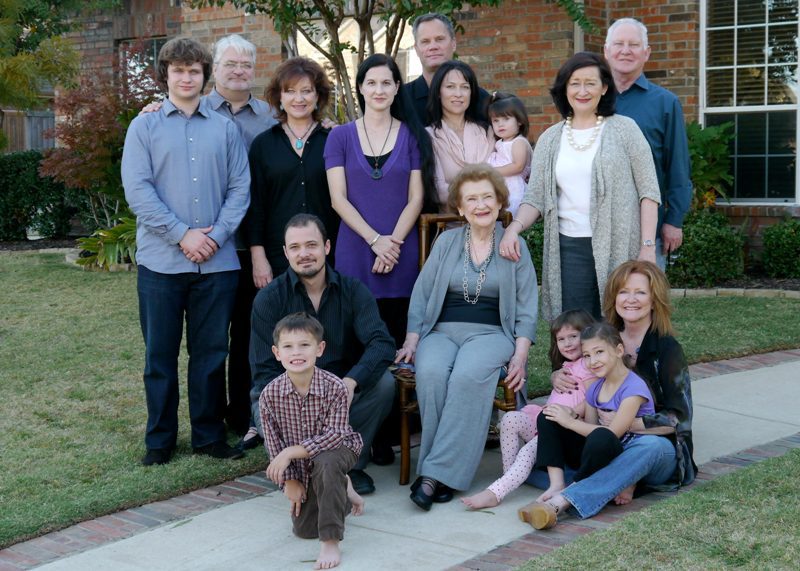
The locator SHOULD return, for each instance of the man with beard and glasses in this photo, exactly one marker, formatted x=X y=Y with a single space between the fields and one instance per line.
x=358 y=348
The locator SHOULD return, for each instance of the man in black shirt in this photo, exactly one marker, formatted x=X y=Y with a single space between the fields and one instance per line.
x=435 y=43
x=358 y=348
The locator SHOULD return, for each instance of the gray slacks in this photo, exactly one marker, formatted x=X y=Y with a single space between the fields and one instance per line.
x=458 y=365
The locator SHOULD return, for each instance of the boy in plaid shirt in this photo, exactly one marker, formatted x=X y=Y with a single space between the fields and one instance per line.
x=310 y=442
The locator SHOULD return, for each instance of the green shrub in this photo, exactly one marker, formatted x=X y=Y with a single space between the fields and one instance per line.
x=30 y=201
x=709 y=152
x=109 y=246
x=782 y=249
x=712 y=251
x=534 y=237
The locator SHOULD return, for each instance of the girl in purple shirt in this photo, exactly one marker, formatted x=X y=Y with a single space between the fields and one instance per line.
x=614 y=405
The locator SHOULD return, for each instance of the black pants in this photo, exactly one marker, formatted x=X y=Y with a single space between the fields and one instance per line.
x=560 y=447
x=237 y=411
x=578 y=277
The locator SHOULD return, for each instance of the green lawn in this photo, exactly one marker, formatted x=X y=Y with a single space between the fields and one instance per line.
x=72 y=409
x=749 y=519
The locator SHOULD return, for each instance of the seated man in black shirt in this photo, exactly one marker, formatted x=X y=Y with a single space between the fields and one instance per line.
x=358 y=348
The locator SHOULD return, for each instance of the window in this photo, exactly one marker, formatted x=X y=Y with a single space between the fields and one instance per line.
x=751 y=79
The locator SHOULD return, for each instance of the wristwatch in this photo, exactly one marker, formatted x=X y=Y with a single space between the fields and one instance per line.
x=648 y=243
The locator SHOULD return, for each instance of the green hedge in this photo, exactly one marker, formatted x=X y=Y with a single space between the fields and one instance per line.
x=782 y=249
x=534 y=237
x=712 y=251
x=30 y=201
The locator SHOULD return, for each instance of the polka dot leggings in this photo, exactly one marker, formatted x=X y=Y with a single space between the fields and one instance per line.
x=517 y=462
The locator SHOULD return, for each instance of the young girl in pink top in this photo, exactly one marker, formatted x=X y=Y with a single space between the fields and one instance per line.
x=565 y=353
x=512 y=151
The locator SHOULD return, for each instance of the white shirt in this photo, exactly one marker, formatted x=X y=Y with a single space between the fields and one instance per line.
x=574 y=182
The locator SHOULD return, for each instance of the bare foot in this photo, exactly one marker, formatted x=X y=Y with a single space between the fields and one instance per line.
x=625 y=496
x=355 y=499
x=549 y=493
x=484 y=499
x=329 y=555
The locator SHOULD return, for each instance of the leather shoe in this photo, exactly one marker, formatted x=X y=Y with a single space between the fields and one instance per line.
x=250 y=443
x=362 y=482
x=419 y=497
x=382 y=454
x=157 y=456
x=442 y=495
x=220 y=450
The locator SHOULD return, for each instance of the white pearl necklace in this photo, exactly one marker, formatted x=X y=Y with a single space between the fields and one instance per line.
x=588 y=144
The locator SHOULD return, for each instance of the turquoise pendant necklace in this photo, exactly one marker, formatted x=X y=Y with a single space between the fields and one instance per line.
x=299 y=141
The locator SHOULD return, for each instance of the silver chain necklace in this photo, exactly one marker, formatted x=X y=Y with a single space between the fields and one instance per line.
x=377 y=172
x=481 y=269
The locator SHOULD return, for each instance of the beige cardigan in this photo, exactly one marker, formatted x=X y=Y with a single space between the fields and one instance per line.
x=622 y=175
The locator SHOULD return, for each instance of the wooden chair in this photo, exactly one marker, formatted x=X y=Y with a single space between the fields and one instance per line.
x=430 y=226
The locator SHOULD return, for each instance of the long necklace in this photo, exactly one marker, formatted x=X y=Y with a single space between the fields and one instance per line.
x=480 y=269
x=588 y=144
x=377 y=172
x=299 y=141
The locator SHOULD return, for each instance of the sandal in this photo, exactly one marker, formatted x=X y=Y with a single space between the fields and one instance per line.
x=539 y=515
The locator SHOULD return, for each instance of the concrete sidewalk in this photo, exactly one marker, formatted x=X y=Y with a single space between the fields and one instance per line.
x=733 y=411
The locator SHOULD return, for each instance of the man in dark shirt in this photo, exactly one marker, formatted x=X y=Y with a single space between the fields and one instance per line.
x=659 y=115
x=358 y=348
x=435 y=43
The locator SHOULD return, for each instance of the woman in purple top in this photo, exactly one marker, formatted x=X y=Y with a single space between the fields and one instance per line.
x=377 y=168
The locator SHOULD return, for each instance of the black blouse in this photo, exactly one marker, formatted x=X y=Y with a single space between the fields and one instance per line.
x=284 y=184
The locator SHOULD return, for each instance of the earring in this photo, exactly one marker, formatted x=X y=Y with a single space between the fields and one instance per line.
x=280 y=106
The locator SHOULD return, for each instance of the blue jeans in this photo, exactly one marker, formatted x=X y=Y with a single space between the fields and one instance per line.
x=206 y=302
x=649 y=459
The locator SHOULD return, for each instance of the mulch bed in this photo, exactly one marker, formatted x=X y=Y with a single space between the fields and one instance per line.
x=26 y=245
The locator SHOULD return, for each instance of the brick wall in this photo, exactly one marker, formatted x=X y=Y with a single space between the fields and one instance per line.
x=753 y=220
x=209 y=24
x=519 y=47
x=98 y=34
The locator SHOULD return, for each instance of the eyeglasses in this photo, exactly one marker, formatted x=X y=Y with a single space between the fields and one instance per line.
x=243 y=65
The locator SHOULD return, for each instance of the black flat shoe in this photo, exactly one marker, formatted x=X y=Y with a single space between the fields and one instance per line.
x=220 y=450
x=362 y=482
x=382 y=454
x=442 y=495
x=250 y=443
x=422 y=499
x=157 y=457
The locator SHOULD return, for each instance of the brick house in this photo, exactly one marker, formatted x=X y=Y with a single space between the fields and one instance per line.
x=735 y=60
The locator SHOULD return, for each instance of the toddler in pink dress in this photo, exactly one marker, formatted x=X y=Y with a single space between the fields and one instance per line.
x=512 y=154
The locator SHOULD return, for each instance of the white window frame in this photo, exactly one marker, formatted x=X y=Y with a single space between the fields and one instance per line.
x=745 y=109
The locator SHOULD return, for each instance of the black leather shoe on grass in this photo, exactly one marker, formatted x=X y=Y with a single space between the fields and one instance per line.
x=157 y=456
x=362 y=482
x=250 y=443
x=220 y=450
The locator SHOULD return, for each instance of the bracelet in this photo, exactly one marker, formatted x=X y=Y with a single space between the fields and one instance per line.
x=518 y=221
x=375 y=239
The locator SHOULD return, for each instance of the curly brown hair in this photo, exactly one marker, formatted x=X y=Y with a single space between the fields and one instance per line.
x=287 y=74
x=182 y=50
x=476 y=173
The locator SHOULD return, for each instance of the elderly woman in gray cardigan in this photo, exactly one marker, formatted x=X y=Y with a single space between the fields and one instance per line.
x=471 y=313
x=593 y=180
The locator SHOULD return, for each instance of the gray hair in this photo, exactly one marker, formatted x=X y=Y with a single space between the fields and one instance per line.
x=430 y=17
x=239 y=45
x=633 y=22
